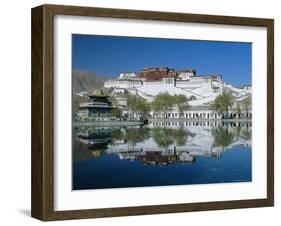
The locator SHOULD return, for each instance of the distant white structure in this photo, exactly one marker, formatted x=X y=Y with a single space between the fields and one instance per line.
x=201 y=90
x=127 y=75
x=247 y=87
x=186 y=74
x=124 y=83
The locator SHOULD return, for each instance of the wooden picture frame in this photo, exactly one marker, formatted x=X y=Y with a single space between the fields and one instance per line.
x=43 y=112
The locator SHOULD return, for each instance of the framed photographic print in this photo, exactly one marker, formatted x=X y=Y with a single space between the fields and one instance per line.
x=141 y=112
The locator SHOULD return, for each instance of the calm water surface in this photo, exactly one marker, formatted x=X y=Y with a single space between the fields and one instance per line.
x=161 y=153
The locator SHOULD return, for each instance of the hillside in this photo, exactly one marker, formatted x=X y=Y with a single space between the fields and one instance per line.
x=86 y=81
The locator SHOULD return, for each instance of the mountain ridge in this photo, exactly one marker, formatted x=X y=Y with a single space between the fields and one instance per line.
x=86 y=81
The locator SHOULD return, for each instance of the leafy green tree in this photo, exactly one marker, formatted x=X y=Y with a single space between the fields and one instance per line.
x=162 y=103
x=138 y=105
x=143 y=107
x=131 y=103
x=223 y=102
x=182 y=102
x=117 y=112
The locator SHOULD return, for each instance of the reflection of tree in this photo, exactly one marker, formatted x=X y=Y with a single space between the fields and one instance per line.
x=116 y=134
x=97 y=153
x=237 y=132
x=136 y=135
x=246 y=134
x=162 y=137
x=222 y=137
x=243 y=133
x=167 y=136
x=180 y=136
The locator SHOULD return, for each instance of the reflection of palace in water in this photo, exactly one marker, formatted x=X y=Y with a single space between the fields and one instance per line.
x=165 y=142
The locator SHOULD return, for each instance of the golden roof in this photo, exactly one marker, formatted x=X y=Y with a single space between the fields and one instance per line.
x=97 y=92
x=97 y=152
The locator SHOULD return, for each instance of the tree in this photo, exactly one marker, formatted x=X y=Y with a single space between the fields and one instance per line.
x=162 y=102
x=182 y=102
x=138 y=105
x=117 y=112
x=223 y=102
x=142 y=106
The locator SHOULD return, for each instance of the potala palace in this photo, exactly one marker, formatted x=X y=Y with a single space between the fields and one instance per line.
x=201 y=91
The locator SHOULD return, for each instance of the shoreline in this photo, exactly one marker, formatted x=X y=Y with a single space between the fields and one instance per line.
x=138 y=123
x=108 y=123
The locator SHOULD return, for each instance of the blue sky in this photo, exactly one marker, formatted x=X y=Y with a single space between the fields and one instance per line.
x=110 y=55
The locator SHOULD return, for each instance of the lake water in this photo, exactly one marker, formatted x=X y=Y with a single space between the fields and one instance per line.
x=162 y=153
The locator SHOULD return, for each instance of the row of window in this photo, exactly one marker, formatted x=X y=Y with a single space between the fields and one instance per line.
x=202 y=123
x=118 y=82
x=202 y=115
x=189 y=115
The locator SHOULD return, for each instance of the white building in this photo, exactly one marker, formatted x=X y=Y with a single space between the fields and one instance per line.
x=127 y=83
x=186 y=74
x=195 y=112
x=127 y=75
x=201 y=90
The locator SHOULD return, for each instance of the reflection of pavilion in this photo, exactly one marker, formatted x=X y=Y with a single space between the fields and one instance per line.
x=199 y=141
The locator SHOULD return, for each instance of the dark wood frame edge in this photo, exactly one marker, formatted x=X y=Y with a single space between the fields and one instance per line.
x=42 y=197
